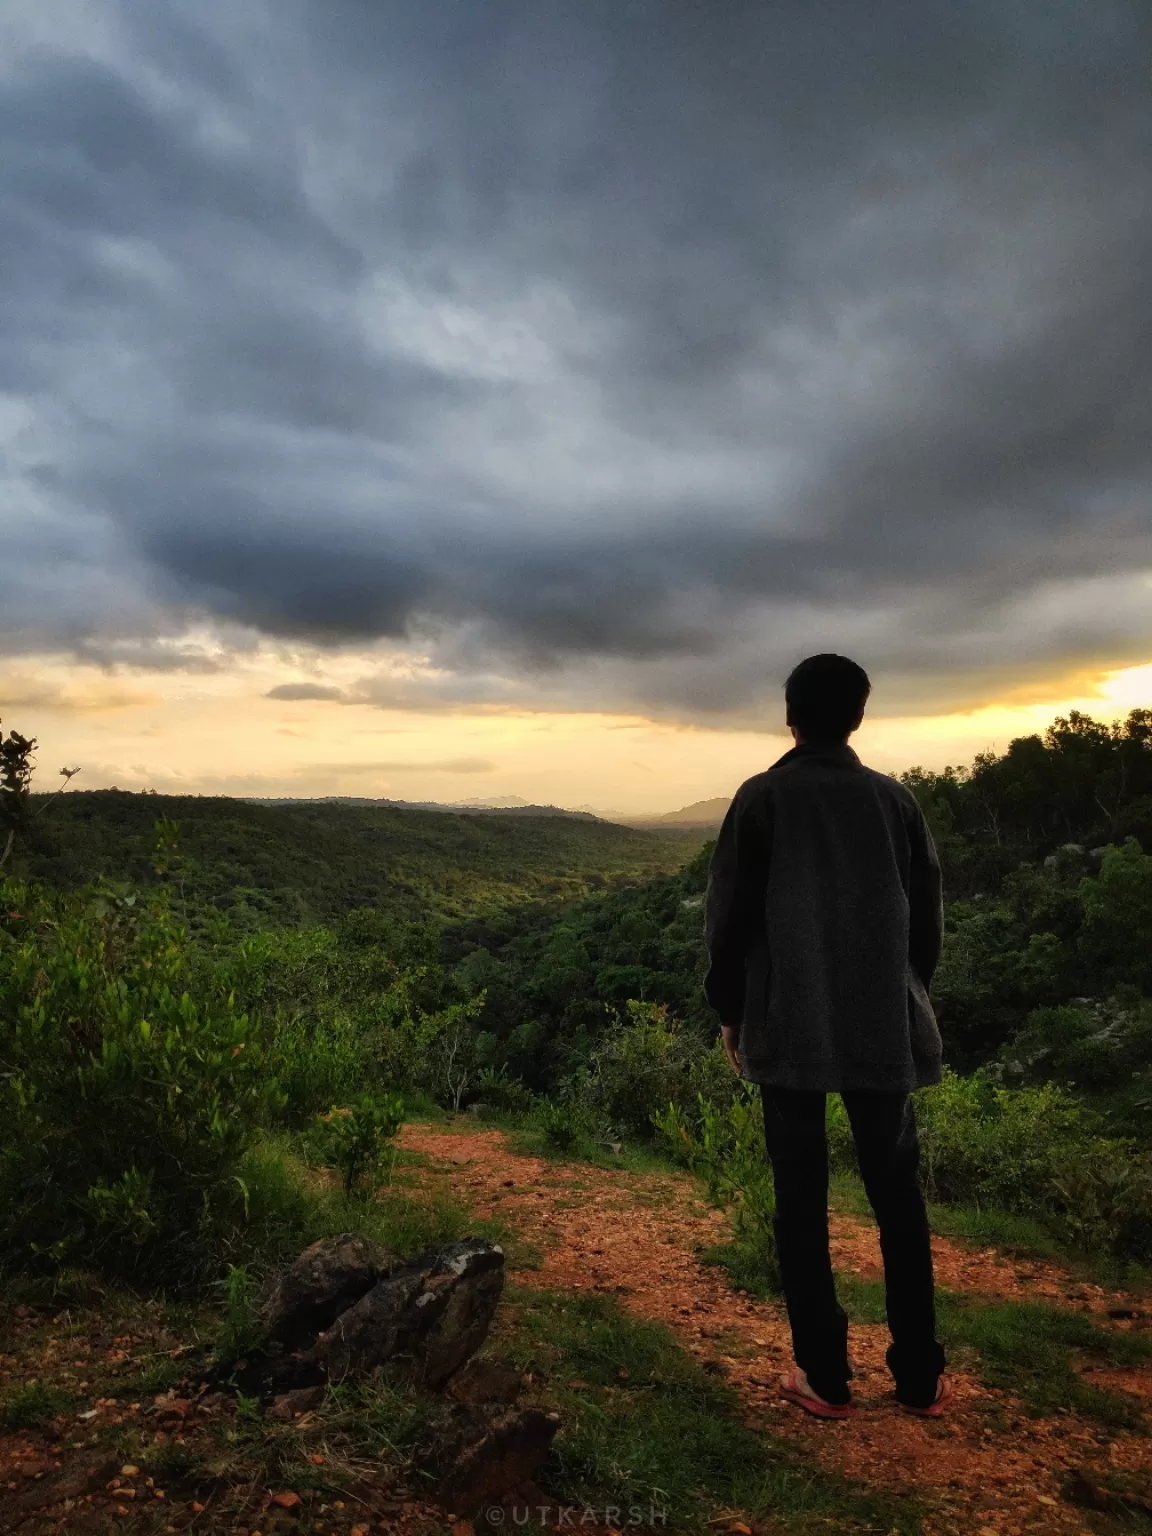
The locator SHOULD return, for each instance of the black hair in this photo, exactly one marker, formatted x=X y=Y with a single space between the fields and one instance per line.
x=825 y=696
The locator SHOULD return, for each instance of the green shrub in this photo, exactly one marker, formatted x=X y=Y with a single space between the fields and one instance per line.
x=1094 y=1045
x=1037 y=1151
x=498 y=1089
x=564 y=1125
x=355 y=1139
x=239 y=1325
x=319 y=1060
x=131 y=1085
x=724 y=1145
x=986 y=1144
x=645 y=1061
x=1106 y=1200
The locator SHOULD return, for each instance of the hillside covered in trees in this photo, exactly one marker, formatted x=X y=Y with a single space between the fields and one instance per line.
x=311 y=861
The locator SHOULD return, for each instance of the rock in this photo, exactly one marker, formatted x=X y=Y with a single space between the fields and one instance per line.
x=290 y=1405
x=431 y=1314
x=483 y=1453
x=485 y=1381
x=324 y=1281
x=468 y=1283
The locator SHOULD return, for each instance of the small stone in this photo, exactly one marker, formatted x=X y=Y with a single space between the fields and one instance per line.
x=289 y=1405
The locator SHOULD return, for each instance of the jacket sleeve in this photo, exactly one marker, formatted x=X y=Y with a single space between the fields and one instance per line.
x=925 y=902
x=737 y=879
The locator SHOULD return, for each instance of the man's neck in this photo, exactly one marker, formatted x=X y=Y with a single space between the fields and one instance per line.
x=802 y=741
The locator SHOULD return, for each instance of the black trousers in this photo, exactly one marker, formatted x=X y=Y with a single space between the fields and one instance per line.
x=884 y=1130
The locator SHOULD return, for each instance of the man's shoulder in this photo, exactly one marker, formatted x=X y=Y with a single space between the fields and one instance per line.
x=891 y=787
x=756 y=785
x=755 y=788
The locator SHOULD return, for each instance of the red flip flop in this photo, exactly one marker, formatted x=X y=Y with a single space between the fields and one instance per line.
x=936 y=1407
x=800 y=1393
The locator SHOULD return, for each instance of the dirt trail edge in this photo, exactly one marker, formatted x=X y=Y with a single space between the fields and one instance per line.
x=635 y=1236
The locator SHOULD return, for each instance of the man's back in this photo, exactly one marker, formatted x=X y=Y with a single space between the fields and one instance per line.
x=824 y=925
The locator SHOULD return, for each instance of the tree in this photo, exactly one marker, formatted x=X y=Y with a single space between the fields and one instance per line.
x=17 y=759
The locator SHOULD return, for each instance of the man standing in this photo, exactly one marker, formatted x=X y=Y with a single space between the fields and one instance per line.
x=824 y=925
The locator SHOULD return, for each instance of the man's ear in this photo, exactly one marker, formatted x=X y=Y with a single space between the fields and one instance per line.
x=857 y=723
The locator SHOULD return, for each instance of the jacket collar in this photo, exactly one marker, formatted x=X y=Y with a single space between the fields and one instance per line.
x=841 y=754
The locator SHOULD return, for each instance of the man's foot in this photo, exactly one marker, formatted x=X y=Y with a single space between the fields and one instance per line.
x=795 y=1387
x=935 y=1408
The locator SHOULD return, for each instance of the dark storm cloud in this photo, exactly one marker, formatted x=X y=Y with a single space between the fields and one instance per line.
x=607 y=354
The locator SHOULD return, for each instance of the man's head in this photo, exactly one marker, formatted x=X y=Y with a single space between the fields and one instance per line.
x=825 y=697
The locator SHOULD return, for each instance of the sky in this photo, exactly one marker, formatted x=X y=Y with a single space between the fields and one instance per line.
x=452 y=400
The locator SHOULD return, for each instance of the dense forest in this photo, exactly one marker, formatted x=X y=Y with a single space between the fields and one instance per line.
x=312 y=861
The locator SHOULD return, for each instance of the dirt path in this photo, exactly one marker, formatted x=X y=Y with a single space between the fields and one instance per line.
x=635 y=1237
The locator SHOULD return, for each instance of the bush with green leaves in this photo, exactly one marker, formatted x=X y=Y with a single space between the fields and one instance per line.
x=983 y=1143
x=1095 y=1045
x=356 y=1139
x=131 y=1086
x=645 y=1060
x=1105 y=1200
x=565 y=1125
x=497 y=1089
x=724 y=1145
x=1034 y=1150
x=362 y=1006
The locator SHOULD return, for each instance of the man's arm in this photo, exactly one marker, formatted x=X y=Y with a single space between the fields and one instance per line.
x=737 y=877
x=925 y=902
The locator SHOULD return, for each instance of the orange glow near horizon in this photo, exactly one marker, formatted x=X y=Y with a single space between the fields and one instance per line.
x=217 y=732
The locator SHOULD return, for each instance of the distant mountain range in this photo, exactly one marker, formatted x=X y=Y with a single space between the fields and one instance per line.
x=498 y=805
x=701 y=813
x=705 y=814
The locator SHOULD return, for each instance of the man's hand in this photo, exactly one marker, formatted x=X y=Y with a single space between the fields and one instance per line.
x=730 y=1034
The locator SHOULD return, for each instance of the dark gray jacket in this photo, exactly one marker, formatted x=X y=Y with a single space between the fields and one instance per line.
x=824 y=923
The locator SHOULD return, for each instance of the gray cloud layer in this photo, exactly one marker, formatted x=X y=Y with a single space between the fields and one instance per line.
x=610 y=353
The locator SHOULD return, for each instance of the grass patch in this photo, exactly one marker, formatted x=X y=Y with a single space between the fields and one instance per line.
x=291 y=1205
x=987 y=1227
x=156 y=1376
x=1025 y=1348
x=749 y=1262
x=528 y=1140
x=645 y=1426
x=34 y=1407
